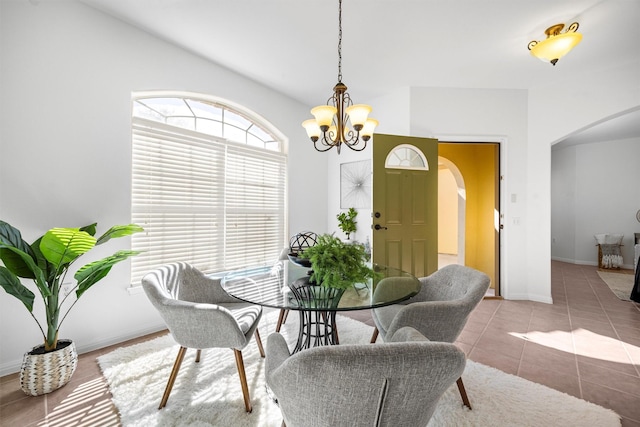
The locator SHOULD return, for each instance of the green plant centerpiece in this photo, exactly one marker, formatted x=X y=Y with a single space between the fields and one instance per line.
x=347 y=221
x=336 y=264
x=47 y=260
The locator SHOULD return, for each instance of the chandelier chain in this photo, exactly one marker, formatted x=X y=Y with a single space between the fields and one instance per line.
x=339 y=40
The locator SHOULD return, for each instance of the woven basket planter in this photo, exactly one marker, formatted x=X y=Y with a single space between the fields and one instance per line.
x=43 y=373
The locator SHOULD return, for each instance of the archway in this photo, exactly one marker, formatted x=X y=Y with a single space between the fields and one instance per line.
x=452 y=202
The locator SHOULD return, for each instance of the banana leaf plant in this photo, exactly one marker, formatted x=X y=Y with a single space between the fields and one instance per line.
x=47 y=260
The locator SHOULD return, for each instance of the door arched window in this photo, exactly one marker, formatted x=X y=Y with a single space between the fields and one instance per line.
x=208 y=184
x=406 y=156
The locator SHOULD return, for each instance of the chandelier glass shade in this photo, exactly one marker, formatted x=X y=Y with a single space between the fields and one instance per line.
x=329 y=127
x=557 y=44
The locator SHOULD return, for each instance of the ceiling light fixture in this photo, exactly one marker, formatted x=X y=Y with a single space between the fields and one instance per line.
x=330 y=123
x=557 y=44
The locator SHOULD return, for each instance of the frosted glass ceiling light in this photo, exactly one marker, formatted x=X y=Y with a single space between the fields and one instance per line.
x=557 y=44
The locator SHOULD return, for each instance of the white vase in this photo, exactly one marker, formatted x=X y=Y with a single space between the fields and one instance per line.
x=43 y=373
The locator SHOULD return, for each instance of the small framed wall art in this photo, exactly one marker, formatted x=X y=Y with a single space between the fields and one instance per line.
x=355 y=185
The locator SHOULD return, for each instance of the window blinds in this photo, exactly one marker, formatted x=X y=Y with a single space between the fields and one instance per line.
x=215 y=204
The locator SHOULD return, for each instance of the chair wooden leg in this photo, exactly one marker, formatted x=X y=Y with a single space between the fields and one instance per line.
x=198 y=355
x=374 y=337
x=463 y=393
x=259 y=341
x=172 y=377
x=243 y=380
x=282 y=318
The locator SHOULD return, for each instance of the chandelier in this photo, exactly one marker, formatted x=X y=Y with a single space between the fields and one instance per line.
x=557 y=44
x=329 y=128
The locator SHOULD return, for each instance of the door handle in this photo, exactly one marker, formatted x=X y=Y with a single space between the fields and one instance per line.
x=379 y=227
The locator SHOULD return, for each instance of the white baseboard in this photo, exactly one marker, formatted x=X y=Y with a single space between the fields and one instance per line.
x=574 y=261
x=14 y=366
x=527 y=297
x=594 y=263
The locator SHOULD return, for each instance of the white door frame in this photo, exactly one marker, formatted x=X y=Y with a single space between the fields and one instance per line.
x=502 y=141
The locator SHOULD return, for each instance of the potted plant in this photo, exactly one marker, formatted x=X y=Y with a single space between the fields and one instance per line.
x=46 y=261
x=336 y=264
x=347 y=222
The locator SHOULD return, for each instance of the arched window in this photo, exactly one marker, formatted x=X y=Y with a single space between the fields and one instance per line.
x=209 y=117
x=406 y=156
x=208 y=184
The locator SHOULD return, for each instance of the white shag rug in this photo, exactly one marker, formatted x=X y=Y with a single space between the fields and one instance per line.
x=208 y=393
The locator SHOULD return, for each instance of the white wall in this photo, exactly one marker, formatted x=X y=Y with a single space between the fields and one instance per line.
x=563 y=202
x=67 y=75
x=594 y=190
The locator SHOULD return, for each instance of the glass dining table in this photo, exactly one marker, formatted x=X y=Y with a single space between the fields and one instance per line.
x=285 y=285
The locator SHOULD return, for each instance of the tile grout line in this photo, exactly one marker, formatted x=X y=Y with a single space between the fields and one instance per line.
x=615 y=330
x=618 y=339
x=526 y=341
x=486 y=326
x=573 y=341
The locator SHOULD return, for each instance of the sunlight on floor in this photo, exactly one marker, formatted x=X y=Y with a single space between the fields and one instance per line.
x=88 y=405
x=582 y=342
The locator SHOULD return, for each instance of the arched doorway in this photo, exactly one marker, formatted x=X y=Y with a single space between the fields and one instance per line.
x=452 y=206
x=473 y=173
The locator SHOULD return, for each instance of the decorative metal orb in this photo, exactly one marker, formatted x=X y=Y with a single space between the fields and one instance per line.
x=301 y=241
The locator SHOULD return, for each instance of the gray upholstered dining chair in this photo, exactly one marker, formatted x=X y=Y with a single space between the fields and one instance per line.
x=392 y=384
x=199 y=314
x=439 y=311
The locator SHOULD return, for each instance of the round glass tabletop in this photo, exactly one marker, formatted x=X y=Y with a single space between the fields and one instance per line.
x=271 y=286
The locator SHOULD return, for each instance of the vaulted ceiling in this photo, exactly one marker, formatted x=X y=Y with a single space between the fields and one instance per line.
x=291 y=45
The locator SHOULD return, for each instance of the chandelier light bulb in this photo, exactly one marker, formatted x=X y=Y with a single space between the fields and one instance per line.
x=358 y=115
x=324 y=115
x=369 y=127
x=312 y=128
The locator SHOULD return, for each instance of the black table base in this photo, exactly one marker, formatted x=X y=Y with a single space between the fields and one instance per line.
x=316 y=328
x=317 y=320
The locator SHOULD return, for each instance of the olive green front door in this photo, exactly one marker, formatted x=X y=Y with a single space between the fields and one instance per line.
x=405 y=203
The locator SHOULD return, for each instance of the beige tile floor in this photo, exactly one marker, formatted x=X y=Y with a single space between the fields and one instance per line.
x=587 y=344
